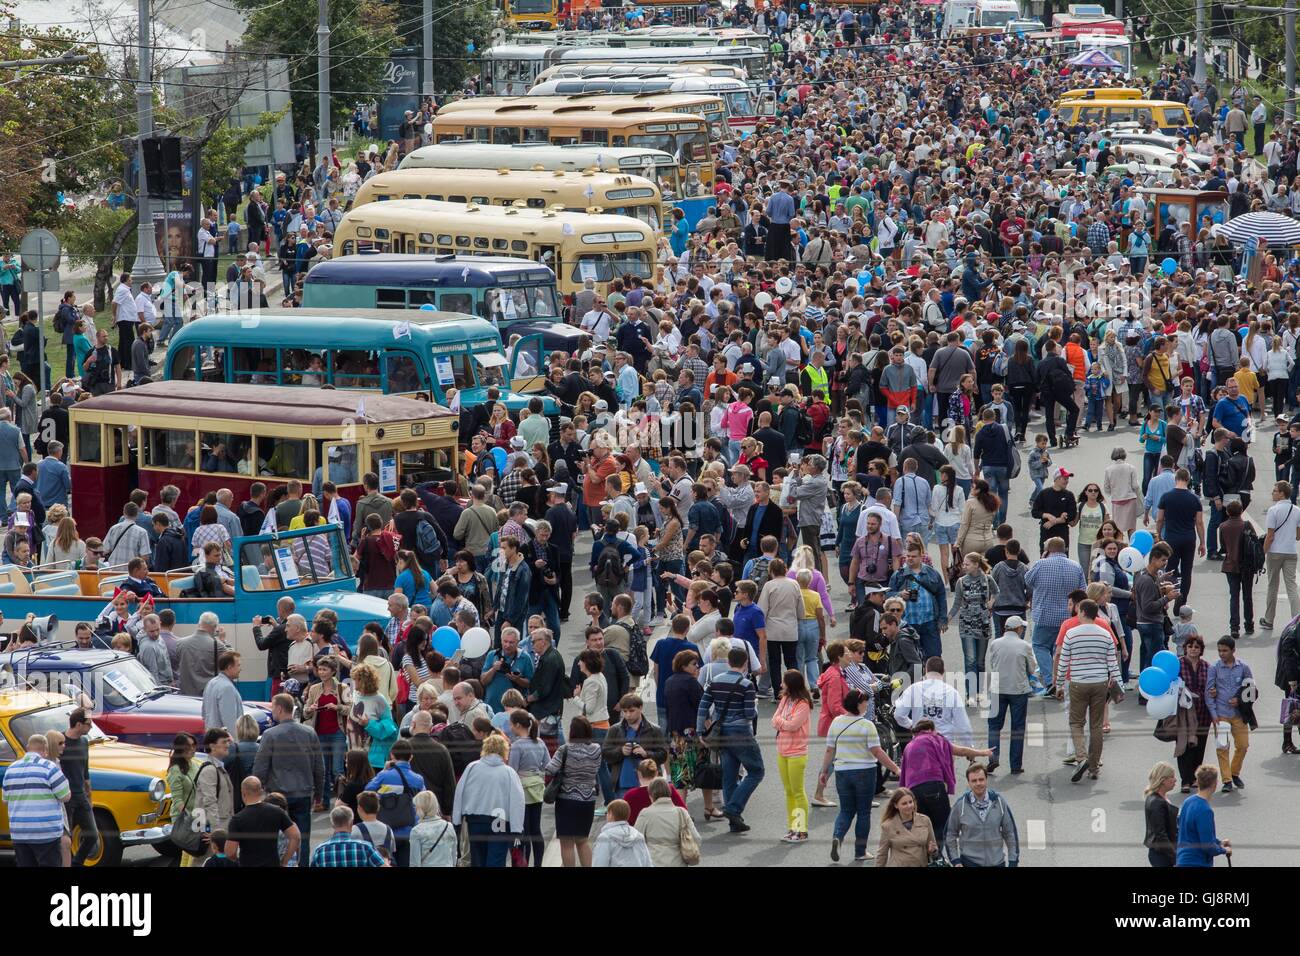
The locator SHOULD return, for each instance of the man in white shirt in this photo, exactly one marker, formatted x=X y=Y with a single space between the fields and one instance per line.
x=1259 y=118
x=144 y=308
x=1089 y=662
x=597 y=321
x=207 y=247
x=126 y=314
x=882 y=509
x=1283 y=527
x=935 y=699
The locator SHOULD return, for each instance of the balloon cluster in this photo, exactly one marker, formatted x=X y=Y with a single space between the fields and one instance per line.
x=1162 y=685
x=474 y=643
x=1133 y=558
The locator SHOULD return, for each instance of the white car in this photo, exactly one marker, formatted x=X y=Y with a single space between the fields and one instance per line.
x=1159 y=140
x=1156 y=156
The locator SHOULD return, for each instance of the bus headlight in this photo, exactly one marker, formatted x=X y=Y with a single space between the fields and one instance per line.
x=157 y=789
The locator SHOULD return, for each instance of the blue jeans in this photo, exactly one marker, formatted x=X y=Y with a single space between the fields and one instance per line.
x=300 y=813
x=1044 y=643
x=732 y=451
x=333 y=748
x=1152 y=637
x=739 y=749
x=1018 y=704
x=487 y=847
x=1150 y=465
x=1096 y=413
x=1212 y=532
x=927 y=408
x=662 y=586
x=1033 y=495
x=1000 y=485
x=482 y=562
x=809 y=639
x=931 y=644
x=919 y=525
x=8 y=484
x=170 y=326
x=973 y=648
x=603 y=777
x=855 y=789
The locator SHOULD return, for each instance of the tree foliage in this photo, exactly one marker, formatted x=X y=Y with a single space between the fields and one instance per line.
x=362 y=34
x=456 y=25
x=223 y=153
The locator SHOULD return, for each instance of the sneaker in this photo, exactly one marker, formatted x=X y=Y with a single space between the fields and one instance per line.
x=991 y=767
x=1250 y=630
x=1227 y=787
x=1017 y=770
x=835 y=848
x=601 y=811
x=800 y=838
x=1079 y=771
x=868 y=855
x=1214 y=556
x=1070 y=761
x=789 y=837
x=1186 y=789
x=1236 y=782
x=741 y=827
x=1266 y=624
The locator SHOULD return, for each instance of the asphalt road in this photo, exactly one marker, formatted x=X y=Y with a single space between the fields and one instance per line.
x=1092 y=823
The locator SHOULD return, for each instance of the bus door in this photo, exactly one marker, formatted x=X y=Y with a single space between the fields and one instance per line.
x=767 y=103
x=527 y=364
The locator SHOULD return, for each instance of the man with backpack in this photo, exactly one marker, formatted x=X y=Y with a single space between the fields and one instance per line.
x=397 y=784
x=420 y=533
x=1216 y=458
x=610 y=557
x=1283 y=529
x=289 y=761
x=1243 y=560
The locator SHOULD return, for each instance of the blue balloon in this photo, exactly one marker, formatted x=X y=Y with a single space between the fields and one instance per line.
x=1142 y=541
x=1168 y=662
x=1169 y=266
x=469 y=47
x=428 y=307
x=1153 y=681
x=446 y=641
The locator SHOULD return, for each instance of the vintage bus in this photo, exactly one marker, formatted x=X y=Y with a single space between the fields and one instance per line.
x=619 y=194
x=652 y=164
x=420 y=354
x=513 y=68
x=203 y=436
x=575 y=246
x=516 y=296
x=711 y=108
x=641 y=38
x=565 y=71
x=686 y=137
x=741 y=106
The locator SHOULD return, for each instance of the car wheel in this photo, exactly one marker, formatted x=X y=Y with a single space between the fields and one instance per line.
x=109 y=851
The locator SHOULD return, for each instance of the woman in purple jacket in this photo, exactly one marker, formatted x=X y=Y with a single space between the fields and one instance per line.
x=927 y=772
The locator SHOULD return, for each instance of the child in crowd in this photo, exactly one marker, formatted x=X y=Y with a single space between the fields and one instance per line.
x=218 y=857
x=1040 y=459
x=1184 y=628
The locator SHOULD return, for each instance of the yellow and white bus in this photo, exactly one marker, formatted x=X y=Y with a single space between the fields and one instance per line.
x=567 y=71
x=576 y=246
x=512 y=68
x=708 y=105
x=741 y=106
x=684 y=136
x=619 y=194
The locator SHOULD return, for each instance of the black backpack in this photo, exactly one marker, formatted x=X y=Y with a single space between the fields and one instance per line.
x=427 y=541
x=397 y=809
x=803 y=430
x=1232 y=474
x=461 y=744
x=207 y=584
x=1250 y=558
x=638 y=655
x=728 y=532
x=610 y=571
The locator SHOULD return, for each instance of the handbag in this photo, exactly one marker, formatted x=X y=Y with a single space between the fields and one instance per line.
x=688 y=843
x=713 y=736
x=186 y=831
x=1166 y=730
x=552 y=791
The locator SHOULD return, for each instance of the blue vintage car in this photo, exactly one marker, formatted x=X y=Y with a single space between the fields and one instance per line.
x=311 y=565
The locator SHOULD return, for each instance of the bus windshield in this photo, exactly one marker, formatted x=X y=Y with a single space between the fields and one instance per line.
x=740 y=103
x=525 y=302
x=295 y=562
x=532 y=6
x=605 y=267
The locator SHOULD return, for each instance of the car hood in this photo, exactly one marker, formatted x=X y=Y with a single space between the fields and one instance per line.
x=119 y=766
x=183 y=705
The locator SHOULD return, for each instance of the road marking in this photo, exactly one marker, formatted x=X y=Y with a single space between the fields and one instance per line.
x=1036 y=834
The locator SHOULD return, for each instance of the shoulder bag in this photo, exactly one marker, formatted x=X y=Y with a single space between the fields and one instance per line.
x=552 y=791
x=688 y=844
x=186 y=832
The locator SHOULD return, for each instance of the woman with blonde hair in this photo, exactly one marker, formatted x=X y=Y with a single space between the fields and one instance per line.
x=1161 y=838
x=309 y=503
x=433 y=839
x=906 y=835
x=487 y=787
x=960 y=457
x=63 y=545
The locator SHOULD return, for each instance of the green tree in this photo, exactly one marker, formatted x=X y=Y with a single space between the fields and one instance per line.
x=223 y=153
x=456 y=26
x=362 y=34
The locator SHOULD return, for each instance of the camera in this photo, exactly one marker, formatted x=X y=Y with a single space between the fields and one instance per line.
x=871 y=568
x=911 y=594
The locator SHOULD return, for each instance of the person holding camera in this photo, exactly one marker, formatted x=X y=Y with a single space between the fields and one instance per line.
x=275 y=641
x=926 y=597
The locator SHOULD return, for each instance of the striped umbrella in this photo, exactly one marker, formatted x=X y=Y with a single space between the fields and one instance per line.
x=1275 y=229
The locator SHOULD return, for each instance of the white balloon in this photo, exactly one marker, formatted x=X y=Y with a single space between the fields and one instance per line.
x=1166 y=705
x=475 y=642
x=784 y=285
x=1131 y=560
x=762 y=300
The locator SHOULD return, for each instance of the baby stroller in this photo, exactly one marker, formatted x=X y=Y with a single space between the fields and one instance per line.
x=893 y=736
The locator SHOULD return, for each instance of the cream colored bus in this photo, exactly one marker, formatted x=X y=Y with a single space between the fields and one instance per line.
x=576 y=246
x=590 y=191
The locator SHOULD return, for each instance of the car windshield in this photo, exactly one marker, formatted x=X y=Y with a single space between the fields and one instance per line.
x=119 y=684
x=50 y=718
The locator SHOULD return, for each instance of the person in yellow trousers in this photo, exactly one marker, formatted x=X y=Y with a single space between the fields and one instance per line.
x=791 y=725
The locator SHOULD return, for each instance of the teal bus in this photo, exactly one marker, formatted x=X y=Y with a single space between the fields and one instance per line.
x=423 y=353
x=515 y=295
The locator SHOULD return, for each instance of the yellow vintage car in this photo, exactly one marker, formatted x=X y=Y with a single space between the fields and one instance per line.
x=128 y=782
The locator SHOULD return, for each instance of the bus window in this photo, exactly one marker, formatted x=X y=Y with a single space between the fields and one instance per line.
x=598 y=136
x=418 y=297
x=314 y=556
x=120 y=443
x=356 y=368
x=609 y=267
x=168 y=448
x=546 y=256
x=302 y=367
x=214 y=364
x=89 y=444
x=1174 y=116
x=458 y=199
x=261 y=556
x=480 y=242
x=227 y=454
x=518 y=245
x=564 y=140
x=1090 y=114
x=342 y=468
x=255 y=366
x=457 y=302
x=535 y=202
x=283 y=457
x=462 y=242
x=505 y=135
x=182 y=368
x=1143 y=115
x=1119 y=114
x=533 y=135
x=390 y=298
x=403 y=376
x=500 y=245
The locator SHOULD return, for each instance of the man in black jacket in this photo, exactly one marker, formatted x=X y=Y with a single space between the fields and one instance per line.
x=275 y=641
x=432 y=760
x=253 y=511
x=630 y=741
x=407 y=523
x=1057 y=383
x=53 y=424
x=169 y=551
x=443 y=508
x=764 y=518
x=774 y=446
x=1215 y=458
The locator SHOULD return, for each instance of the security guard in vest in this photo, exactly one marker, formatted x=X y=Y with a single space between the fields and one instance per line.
x=814 y=379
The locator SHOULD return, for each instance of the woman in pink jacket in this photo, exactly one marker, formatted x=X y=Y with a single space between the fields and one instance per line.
x=737 y=419
x=833 y=687
x=791 y=725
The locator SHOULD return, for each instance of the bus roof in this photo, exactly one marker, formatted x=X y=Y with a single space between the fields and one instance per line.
x=418 y=271
x=259 y=403
x=523 y=182
x=655 y=100
x=529 y=155
x=429 y=215
x=618 y=115
x=301 y=328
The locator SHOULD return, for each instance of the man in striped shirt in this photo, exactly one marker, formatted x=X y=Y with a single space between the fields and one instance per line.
x=35 y=790
x=1089 y=661
x=728 y=701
